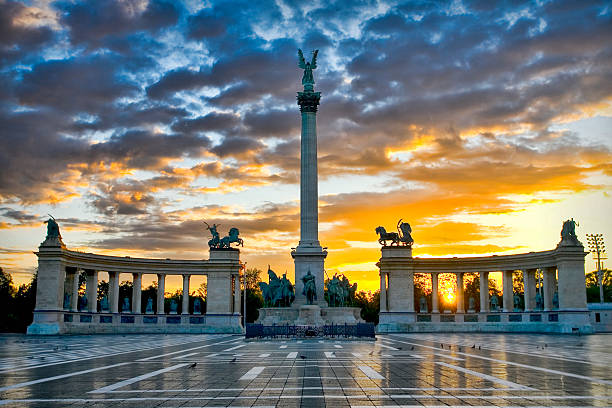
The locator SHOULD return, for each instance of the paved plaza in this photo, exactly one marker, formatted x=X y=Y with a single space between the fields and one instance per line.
x=224 y=370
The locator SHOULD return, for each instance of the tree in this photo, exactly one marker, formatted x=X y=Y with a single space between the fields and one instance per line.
x=254 y=298
x=252 y=278
x=7 y=291
x=370 y=305
x=592 y=286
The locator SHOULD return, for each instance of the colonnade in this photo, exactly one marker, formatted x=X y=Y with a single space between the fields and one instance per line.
x=58 y=278
x=549 y=287
x=563 y=280
x=71 y=288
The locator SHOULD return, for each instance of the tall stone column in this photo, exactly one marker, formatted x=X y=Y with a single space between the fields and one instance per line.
x=460 y=307
x=548 y=283
x=309 y=256
x=113 y=291
x=161 y=288
x=92 y=290
x=508 y=294
x=185 y=294
x=137 y=293
x=571 y=284
x=74 y=298
x=383 y=292
x=530 y=288
x=434 y=293
x=484 y=292
x=236 y=294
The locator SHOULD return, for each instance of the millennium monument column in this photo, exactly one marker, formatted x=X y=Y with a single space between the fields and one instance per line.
x=309 y=256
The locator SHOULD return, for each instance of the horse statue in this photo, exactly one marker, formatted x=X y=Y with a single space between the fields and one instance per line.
x=387 y=236
x=404 y=231
x=310 y=289
x=231 y=237
x=214 y=242
x=335 y=293
x=278 y=291
x=286 y=291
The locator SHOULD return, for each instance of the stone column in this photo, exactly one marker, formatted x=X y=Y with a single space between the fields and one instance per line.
x=460 y=307
x=136 y=293
x=484 y=292
x=74 y=298
x=48 y=313
x=92 y=290
x=508 y=293
x=161 y=289
x=530 y=288
x=185 y=294
x=383 y=292
x=434 y=293
x=548 y=276
x=113 y=291
x=309 y=256
x=236 y=294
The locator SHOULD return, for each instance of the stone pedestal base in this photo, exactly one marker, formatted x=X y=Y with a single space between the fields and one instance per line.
x=224 y=323
x=46 y=323
x=310 y=315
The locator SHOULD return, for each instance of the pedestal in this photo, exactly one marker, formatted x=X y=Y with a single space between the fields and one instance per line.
x=309 y=259
x=310 y=315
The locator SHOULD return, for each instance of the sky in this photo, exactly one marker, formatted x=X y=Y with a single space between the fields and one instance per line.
x=483 y=124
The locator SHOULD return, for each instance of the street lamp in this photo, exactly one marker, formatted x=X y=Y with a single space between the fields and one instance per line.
x=598 y=249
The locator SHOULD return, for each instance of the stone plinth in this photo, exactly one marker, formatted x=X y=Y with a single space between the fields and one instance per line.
x=309 y=259
x=310 y=315
x=300 y=315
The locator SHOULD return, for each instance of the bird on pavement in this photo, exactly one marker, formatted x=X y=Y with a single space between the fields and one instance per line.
x=441 y=345
x=233 y=360
x=193 y=365
x=474 y=346
x=302 y=357
x=412 y=348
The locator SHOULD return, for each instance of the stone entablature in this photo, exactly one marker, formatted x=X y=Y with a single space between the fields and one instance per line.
x=563 y=281
x=59 y=269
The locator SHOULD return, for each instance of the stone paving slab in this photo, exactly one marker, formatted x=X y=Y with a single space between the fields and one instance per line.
x=222 y=370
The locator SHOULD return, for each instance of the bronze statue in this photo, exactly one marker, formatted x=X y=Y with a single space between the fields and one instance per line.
x=568 y=234
x=278 y=291
x=214 y=241
x=404 y=230
x=52 y=228
x=310 y=289
x=307 y=79
x=387 y=236
x=231 y=237
x=402 y=236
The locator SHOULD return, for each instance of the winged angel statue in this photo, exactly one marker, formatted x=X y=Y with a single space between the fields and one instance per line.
x=307 y=79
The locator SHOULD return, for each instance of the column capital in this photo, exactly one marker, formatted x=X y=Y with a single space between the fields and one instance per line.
x=308 y=101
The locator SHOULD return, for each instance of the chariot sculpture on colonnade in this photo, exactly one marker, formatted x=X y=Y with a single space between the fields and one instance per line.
x=225 y=242
x=401 y=237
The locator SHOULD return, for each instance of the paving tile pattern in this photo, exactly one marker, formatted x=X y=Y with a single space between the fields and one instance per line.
x=219 y=370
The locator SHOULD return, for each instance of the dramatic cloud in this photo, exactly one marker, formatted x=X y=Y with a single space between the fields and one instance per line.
x=137 y=119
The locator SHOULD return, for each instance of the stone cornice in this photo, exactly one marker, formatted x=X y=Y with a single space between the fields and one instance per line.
x=492 y=263
x=108 y=263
